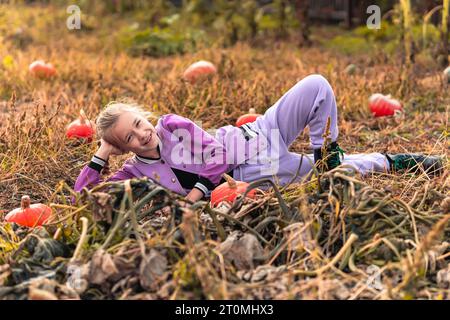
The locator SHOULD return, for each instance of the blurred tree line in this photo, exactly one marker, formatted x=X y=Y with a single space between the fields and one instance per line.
x=164 y=27
x=181 y=25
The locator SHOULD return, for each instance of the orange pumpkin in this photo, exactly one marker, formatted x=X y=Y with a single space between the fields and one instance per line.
x=29 y=215
x=41 y=69
x=198 y=70
x=381 y=105
x=80 y=128
x=229 y=190
x=251 y=116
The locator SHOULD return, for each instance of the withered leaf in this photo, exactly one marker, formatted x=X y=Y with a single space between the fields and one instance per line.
x=102 y=206
x=241 y=249
x=39 y=294
x=152 y=270
x=5 y=272
x=45 y=249
x=102 y=267
x=298 y=236
x=443 y=277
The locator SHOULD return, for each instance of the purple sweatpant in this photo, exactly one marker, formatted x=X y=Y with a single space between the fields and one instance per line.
x=308 y=103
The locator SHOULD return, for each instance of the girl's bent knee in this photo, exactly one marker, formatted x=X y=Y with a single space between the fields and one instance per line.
x=317 y=80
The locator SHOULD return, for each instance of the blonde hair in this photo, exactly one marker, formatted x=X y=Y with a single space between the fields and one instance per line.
x=108 y=116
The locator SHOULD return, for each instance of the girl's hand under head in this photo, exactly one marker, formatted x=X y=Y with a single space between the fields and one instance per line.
x=106 y=149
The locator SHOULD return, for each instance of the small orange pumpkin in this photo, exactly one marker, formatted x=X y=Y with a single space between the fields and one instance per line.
x=251 y=116
x=229 y=190
x=80 y=128
x=29 y=215
x=381 y=105
x=199 y=69
x=41 y=69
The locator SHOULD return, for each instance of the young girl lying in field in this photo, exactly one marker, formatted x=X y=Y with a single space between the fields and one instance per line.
x=179 y=155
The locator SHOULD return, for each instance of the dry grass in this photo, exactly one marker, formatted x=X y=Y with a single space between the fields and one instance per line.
x=36 y=159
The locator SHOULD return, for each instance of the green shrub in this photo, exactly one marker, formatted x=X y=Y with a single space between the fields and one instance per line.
x=349 y=44
x=158 y=42
x=363 y=39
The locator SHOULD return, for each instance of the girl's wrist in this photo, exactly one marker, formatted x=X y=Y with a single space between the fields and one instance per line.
x=195 y=195
x=102 y=154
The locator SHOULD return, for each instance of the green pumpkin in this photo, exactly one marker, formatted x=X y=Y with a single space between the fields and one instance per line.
x=350 y=69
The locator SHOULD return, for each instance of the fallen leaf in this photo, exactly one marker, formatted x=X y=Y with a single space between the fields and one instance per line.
x=241 y=249
x=152 y=270
x=38 y=294
x=102 y=267
x=43 y=248
x=443 y=277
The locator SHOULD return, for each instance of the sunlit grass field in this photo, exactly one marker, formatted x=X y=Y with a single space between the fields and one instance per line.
x=93 y=69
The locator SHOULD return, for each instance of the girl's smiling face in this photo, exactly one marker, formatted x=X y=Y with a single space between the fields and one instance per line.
x=132 y=132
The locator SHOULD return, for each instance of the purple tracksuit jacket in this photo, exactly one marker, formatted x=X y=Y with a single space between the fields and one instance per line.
x=193 y=158
x=188 y=153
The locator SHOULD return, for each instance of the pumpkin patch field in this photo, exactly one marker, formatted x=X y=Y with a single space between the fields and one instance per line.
x=322 y=238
